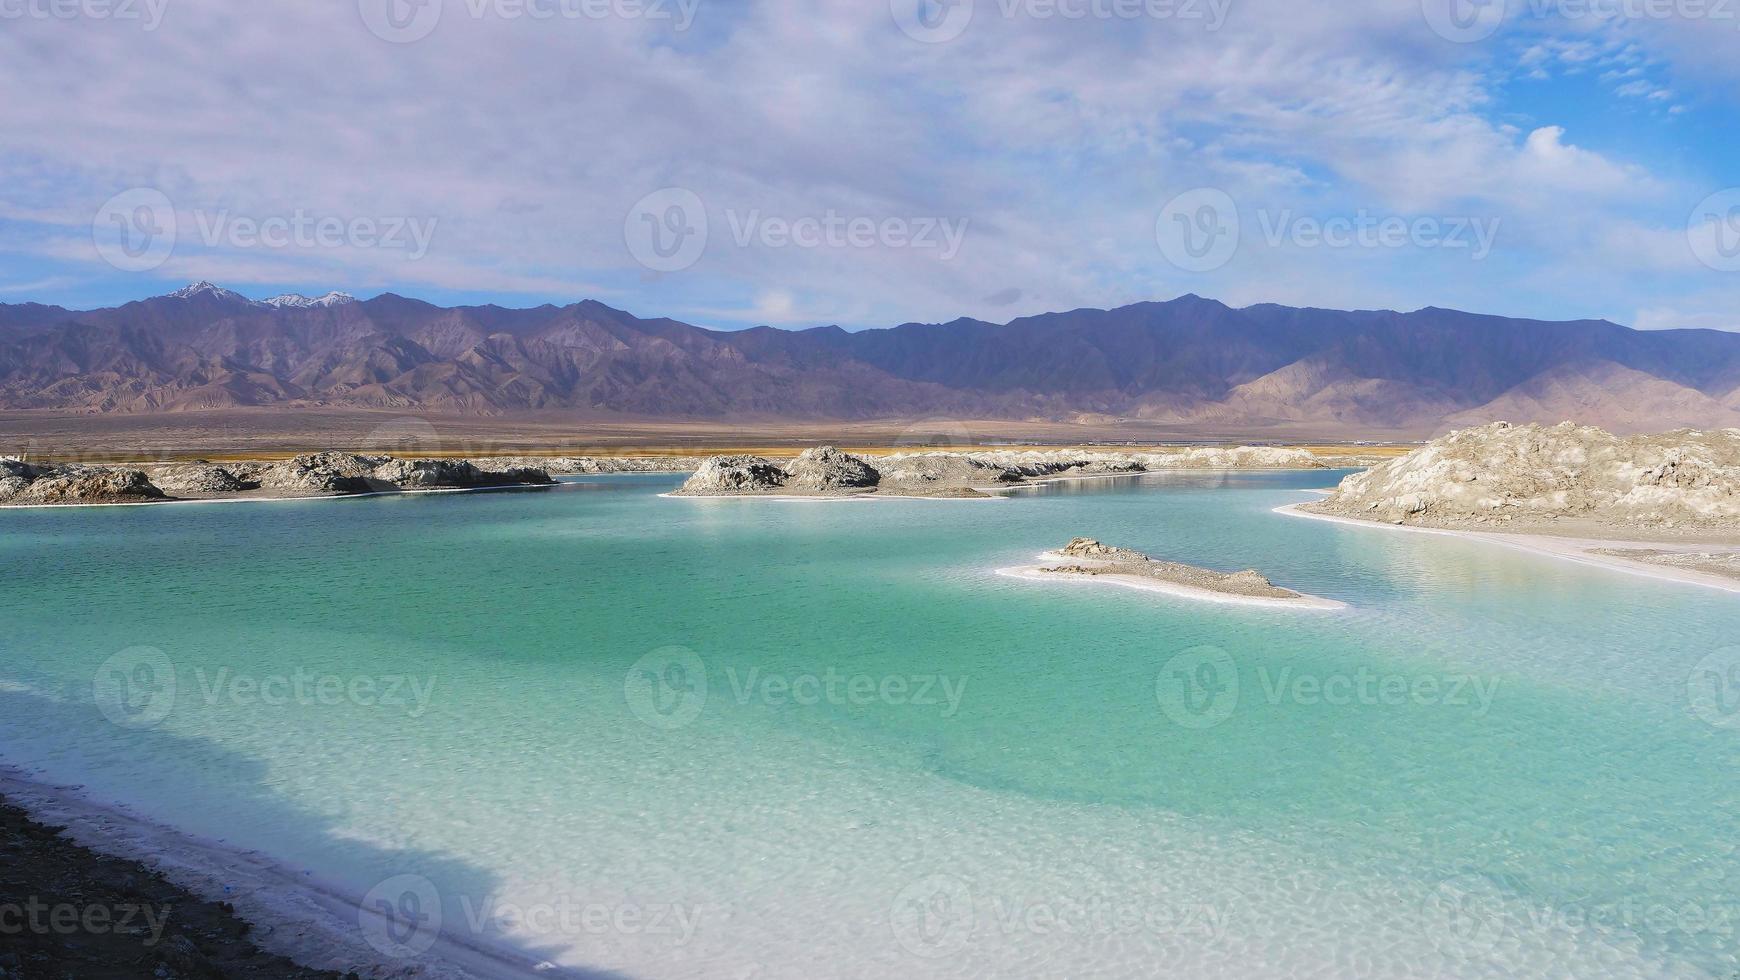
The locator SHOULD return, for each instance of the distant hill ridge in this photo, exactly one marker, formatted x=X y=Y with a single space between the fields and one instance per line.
x=1190 y=361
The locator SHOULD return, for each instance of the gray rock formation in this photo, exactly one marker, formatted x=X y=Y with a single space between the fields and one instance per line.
x=735 y=475
x=1500 y=474
x=195 y=478
x=328 y=472
x=825 y=469
x=87 y=485
x=432 y=474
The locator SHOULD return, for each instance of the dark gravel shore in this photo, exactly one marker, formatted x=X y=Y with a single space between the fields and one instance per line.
x=68 y=912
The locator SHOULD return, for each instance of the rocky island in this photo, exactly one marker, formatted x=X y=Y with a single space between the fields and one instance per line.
x=1085 y=559
x=827 y=472
x=1574 y=491
x=326 y=474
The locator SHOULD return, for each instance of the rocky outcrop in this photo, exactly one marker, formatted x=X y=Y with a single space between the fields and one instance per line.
x=735 y=475
x=198 y=478
x=825 y=469
x=316 y=474
x=82 y=485
x=1091 y=549
x=1503 y=474
x=328 y=472
x=435 y=474
x=582 y=465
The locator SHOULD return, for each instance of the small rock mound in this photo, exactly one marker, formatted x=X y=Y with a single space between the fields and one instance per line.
x=735 y=474
x=1089 y=548
x=826 y=468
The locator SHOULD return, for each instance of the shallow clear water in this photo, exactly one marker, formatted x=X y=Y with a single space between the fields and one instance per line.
x=657 y=737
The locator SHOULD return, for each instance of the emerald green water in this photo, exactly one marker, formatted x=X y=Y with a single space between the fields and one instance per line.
x=1003 y=777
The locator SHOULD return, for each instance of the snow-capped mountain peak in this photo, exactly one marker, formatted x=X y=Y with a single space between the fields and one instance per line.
x=203 y=288
x=298 y=301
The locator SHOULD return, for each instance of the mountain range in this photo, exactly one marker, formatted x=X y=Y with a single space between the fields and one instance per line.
x=1189 y=361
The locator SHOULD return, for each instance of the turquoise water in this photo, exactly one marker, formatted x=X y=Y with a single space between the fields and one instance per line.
x=725 y=736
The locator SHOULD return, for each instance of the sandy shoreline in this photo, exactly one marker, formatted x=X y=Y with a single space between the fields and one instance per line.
x=1576 y=549
x=1039 y=573
x=313 y=922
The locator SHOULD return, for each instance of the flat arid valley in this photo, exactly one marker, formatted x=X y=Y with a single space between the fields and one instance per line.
x=841 y=491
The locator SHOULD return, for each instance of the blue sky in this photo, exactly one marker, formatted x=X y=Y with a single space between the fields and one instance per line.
x=871 y=162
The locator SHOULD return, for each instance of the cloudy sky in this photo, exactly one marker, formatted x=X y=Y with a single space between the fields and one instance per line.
x=868 y=162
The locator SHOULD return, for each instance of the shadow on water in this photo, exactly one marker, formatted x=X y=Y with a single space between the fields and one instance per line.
x=409 y=880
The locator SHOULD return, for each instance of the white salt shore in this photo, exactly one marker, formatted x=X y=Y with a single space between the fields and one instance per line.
x=1041 y=573
x=296 y=915
x=1579 y=550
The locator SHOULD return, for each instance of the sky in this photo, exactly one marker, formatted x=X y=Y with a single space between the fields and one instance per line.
x=872 y=162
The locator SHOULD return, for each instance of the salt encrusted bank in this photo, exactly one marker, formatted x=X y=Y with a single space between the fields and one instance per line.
x=1087 y=560
x=828 y=472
